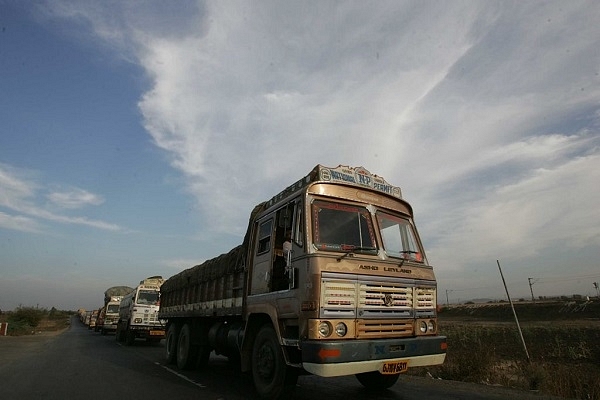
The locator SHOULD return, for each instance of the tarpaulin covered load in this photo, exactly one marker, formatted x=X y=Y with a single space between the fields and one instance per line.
x=116 y=291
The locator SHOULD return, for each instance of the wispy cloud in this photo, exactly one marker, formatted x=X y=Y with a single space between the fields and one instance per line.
x=21 y=194
x=74 y=198
x=19 y=223
x=487 y=114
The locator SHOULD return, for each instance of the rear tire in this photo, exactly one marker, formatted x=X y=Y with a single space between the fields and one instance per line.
x=272 y=377
x=171 y=344
x=374 y=381
x=187 y=351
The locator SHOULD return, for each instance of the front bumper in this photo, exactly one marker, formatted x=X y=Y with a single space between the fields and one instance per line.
x=109 y=327
x=338 y=358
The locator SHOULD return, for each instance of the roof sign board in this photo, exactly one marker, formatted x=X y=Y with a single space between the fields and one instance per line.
x=357 y=176
x=354 y=176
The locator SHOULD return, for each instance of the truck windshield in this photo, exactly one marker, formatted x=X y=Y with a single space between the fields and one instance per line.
x=112 y=308
x=342 y=227
x=147 y=297
x=399 y=239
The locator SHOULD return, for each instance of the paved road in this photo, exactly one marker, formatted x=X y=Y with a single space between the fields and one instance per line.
x=81 y=364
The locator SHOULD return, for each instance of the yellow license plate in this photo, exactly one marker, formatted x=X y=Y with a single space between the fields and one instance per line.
x=394 y=367
x=157 y=333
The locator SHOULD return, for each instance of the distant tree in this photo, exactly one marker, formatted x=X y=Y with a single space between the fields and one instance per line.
x=28 y=316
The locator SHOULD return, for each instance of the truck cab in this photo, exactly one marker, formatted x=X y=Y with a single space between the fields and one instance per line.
x=138 y=313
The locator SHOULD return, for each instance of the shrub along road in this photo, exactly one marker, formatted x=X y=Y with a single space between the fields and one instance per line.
x=81 y=364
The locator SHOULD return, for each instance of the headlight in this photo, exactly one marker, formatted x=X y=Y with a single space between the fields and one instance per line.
x=325 y=329
x=423 y=326
x=138 y=321
x=341 y=329
x=431 y=326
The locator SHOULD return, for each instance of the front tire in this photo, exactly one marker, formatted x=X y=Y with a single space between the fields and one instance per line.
x=272 y=377
x=129 y=337
x=119 y=335
x=374 y=381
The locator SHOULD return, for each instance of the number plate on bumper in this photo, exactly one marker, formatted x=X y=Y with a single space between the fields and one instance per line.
x=394 y=367
x=157 y=333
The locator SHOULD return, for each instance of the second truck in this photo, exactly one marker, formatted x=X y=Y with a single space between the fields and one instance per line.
x=138 y=313
x=109 y=313
x=331 y=279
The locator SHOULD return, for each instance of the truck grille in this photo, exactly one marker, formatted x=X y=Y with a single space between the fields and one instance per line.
x=383 y=328
x=359 y=296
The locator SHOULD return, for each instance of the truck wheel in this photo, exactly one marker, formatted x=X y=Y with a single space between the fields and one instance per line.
x=171 y=344
x=129 y=337
x=187 y=352
x=272 y=377
x=119 y=335
x=375 y=381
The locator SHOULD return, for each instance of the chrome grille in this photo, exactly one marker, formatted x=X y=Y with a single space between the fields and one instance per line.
x=366 y=328
x=360 y=296
x=384 y=300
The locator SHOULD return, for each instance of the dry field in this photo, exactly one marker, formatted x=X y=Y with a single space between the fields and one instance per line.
x=562 y=340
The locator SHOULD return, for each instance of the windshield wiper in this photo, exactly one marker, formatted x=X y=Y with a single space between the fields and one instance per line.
x=352 y=249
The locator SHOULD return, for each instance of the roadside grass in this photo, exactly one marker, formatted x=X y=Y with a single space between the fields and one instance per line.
x=564 y=357
x=29 y=320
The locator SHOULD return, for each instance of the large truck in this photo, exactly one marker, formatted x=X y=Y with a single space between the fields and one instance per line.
x=331 y=279
x=138 y=313
x=109 y=314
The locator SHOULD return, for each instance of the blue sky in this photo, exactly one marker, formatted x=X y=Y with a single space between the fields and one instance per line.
x=136 y=137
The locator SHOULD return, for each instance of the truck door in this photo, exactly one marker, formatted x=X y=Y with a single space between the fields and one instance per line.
x=261 y=271
x=279 y=237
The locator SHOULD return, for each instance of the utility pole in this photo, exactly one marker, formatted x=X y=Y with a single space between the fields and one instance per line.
x=531 y=288
x=447 y=302
x=514 y=312
x=597 y=289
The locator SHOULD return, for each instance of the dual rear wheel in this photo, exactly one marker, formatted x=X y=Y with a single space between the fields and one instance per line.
x=183 y=347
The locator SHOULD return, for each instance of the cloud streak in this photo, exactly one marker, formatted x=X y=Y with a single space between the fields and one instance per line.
x=20 y=194
x=486 y=114
x=74 y=198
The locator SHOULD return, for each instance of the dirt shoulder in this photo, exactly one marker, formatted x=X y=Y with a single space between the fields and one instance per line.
x=12 y=348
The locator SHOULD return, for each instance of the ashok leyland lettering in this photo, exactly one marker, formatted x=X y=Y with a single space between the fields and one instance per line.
x=330 y=279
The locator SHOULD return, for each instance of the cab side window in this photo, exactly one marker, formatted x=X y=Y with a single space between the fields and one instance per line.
x=264 y=236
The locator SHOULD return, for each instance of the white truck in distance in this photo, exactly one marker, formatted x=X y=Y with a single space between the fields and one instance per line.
x=110 y=312
x=138 y=313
